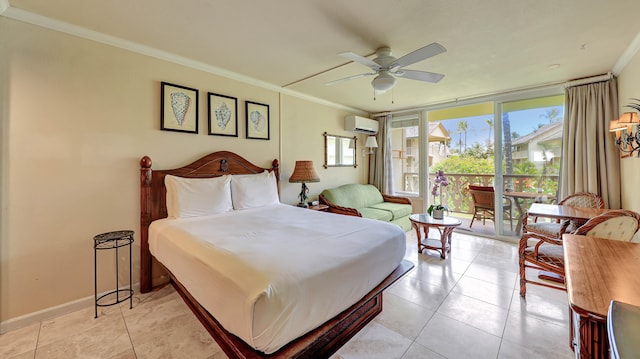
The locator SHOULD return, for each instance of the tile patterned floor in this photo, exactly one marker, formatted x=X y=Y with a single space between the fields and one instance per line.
x=466 y=306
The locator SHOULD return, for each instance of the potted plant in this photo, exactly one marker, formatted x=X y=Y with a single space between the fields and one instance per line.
x=437 y=210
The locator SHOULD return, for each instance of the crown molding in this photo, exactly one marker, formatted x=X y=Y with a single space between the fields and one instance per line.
x=82 y=32
x=627 y=55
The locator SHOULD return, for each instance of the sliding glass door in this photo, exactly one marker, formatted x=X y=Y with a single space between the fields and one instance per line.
x=513 y=148
x=532 y=137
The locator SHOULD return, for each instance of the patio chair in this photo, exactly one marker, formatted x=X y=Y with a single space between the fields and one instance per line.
x=544 y=253
x=484 y=205
x=557 y=228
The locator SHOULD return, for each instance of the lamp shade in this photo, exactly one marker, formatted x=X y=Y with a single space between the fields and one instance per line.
x=304 y=172
x=628 y=118
x=616 y=126
x=371 y=142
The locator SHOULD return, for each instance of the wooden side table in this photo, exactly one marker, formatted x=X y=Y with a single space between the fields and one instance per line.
x=320 y=207
x=445 y=226
x=108 y=241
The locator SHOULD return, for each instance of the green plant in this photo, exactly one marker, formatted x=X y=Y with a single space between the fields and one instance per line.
x=436 y=207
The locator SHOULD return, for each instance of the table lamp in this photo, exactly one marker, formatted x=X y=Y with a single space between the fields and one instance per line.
x=302 y=173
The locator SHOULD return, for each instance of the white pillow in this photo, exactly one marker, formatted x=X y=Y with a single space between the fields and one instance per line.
x=248 y=191
x=193 y=197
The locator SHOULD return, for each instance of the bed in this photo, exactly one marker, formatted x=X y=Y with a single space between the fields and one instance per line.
x=271 y=280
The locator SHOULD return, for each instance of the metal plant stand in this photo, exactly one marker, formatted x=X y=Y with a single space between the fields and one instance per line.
x=107 y=241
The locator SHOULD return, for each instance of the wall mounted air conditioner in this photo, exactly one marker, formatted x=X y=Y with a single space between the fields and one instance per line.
x=360 y=125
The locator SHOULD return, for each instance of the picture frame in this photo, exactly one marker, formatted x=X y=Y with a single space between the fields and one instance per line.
x=178 y=108
x=257 y=120
x=223 y=115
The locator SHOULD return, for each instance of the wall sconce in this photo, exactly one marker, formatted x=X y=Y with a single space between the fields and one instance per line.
x=626 y=140
x=371 y=143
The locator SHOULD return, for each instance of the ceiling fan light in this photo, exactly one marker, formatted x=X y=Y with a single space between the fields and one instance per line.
x=383 y=82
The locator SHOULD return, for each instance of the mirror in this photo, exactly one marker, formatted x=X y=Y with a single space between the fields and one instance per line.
x=339 y=151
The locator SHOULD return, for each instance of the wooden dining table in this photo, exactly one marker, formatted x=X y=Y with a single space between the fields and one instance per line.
x=521 y=199
x=579 y=215
x=598 y=271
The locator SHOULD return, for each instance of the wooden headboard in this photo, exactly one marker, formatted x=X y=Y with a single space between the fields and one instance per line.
x=153 y=193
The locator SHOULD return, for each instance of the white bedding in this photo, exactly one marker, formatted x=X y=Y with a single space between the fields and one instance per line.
x=273 y=273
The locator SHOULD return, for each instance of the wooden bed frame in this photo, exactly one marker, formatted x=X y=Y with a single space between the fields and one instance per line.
x=321 y=342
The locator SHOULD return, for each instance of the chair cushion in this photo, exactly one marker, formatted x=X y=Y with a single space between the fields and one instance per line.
x=619 y=228
x=374 y=213
x=551 y=229
x=397 y=210
x=547 y=253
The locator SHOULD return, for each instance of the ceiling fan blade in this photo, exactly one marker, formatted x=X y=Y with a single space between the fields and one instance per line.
x=349 y=78
x=361 y=60
x=420 y=75
x=419 y=55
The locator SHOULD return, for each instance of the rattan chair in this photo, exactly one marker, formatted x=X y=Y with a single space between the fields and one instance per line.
x=484 y=205
x=547 y=254
x=557 y=228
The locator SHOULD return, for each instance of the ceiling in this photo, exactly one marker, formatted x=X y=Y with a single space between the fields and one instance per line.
x=492 y=45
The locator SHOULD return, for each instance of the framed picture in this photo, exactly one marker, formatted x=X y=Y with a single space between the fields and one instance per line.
x=179 y=108
x=223 y=115
x=257 y=120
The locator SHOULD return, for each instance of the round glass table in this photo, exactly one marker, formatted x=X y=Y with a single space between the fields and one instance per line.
x=444 y=226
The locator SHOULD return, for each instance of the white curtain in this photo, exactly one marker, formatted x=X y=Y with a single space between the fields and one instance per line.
x=380 y=163
x=590 y=159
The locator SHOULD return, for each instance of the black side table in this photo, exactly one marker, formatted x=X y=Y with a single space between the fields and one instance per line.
x=106 y=241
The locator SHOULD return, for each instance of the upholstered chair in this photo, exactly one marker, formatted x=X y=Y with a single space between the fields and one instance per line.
x=557 y=228
x=545 y=253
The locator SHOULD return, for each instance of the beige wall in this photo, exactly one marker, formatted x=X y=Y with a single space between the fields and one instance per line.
x=629 y=87
x=303 y=125
x=76 y=118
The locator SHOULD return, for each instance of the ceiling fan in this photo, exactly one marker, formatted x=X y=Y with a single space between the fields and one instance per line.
x=387 y=67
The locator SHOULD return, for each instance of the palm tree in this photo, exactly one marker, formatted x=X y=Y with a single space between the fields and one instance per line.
x=489 y=122
x=462 y=127
x=552 y=114
x=508 y=157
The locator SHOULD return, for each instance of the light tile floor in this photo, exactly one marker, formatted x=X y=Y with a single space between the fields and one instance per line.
x=466 y=306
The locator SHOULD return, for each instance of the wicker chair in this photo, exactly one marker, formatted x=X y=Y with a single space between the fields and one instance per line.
x=557 y=228
x=484 y=205
x=547 y=253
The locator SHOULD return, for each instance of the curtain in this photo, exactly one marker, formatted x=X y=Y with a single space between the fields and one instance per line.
x=590 y=159
x=380 y=163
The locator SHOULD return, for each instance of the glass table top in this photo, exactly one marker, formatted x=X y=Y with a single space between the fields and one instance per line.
x=425 y=218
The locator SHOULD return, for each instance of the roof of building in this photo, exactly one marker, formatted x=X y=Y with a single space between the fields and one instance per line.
x=548 y=132
x=437 y=132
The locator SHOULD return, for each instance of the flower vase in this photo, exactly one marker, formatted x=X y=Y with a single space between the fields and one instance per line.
x=438 y=214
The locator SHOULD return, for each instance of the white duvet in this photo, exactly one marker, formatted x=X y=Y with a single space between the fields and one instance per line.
x=273 y=273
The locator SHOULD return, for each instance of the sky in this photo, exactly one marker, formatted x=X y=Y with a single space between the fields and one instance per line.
x=523 y=122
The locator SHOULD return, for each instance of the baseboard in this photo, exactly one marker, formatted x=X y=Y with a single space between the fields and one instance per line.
x=52 y=312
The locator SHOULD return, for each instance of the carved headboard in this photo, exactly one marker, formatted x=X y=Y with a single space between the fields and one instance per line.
x=153 y=193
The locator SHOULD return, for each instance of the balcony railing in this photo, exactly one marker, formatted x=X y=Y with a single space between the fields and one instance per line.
x=456 y=195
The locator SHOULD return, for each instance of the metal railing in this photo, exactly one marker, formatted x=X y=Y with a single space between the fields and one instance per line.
x=456 y=195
